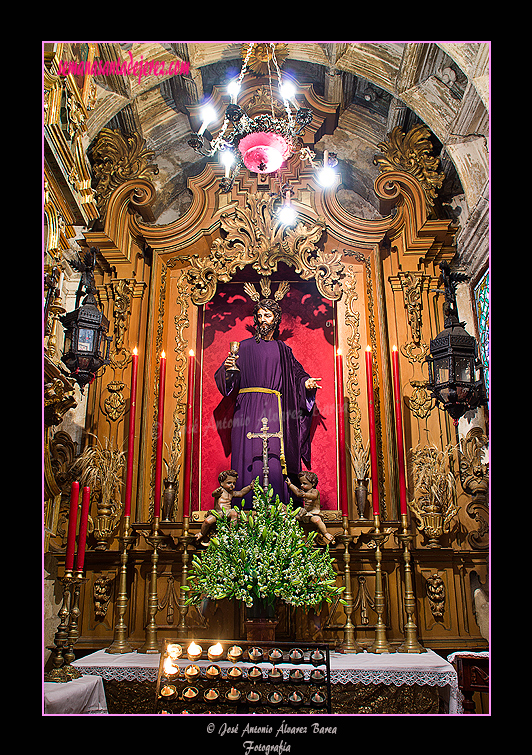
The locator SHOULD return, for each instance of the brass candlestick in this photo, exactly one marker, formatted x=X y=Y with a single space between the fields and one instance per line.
x=381 y=644
x=75 y=613
x=350 y=645
x=62 y=671
x=120 y=643
x=150 y=643
x=411 y=644
x=185 y=540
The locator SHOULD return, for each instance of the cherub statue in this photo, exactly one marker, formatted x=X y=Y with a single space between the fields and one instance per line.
x=311 y=510
x=223 y=497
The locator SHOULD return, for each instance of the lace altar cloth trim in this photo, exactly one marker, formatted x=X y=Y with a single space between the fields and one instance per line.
x=361 y=668
x=459 y=698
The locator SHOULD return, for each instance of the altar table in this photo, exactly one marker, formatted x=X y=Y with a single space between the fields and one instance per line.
x=350 y=668
x=83 y=695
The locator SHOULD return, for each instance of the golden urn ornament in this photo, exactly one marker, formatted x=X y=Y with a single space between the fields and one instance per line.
x=434 y=504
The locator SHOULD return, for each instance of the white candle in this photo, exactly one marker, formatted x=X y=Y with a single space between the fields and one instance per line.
x=194 y=651
x=215 y=652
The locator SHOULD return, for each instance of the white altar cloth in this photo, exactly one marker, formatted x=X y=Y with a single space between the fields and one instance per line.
x=84 y=695
x=366 y=668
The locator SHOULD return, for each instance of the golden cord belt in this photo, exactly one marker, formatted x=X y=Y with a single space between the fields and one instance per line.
x=275 y=393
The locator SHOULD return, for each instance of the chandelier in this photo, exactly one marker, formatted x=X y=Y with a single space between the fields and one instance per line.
x=261 y=144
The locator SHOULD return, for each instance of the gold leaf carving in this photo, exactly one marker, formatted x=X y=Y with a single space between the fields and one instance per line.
x=116 y=159
x=411 y=153
x=253 y=236
x=260 y=59
x=421 y=401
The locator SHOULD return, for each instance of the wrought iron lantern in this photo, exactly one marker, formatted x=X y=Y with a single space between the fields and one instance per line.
x=86 y=346
x=456 y=378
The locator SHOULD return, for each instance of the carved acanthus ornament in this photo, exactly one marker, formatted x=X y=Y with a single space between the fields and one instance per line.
x=412 y=286
x=120 y=292
x=474 y=476
x=101 y=595
x=115 y=403
x=436 y=595
x=57 y=401
x=65 y=116
x=421 y=401
x=116 y=159
x=411 y=153
x=253 y=236
x=352 y=320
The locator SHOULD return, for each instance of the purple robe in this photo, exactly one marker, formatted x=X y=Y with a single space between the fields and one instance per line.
x=272 y=365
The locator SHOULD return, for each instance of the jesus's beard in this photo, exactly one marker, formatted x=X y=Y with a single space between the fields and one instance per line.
x=265 y=331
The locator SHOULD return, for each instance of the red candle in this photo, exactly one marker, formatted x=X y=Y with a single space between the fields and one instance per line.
x=82 y=537
x=372 y=434
x=131 y=434
x=189 y=435
x=399 y=430
x=72 y=524
x=160 y=423
x=340 y=402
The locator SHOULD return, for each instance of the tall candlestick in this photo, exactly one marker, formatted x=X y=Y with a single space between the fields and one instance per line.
x=83 y=522
x=372 y=434
x=131 y=434
x=189 y=435
x=399 y=431
x=159 y=451
x=72 y=524
x=341 y=432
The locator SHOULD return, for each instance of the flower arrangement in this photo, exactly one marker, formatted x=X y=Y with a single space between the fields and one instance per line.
x=263 y=556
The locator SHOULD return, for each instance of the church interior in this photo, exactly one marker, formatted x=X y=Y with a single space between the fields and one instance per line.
x=184 y=184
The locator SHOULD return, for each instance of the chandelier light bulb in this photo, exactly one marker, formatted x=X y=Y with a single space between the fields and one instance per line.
x=326 y=176
x=208 y=116
x=227 y=158
x=287 y=215
x=233 y=89
x=289 y=93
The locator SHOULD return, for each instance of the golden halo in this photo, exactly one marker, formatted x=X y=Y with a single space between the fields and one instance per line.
x=262 y=54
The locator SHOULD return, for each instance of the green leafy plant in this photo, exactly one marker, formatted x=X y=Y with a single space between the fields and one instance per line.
x=263 y=556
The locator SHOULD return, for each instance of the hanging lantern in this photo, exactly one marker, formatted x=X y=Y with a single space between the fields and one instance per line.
x=456 y=377
x=86 y=345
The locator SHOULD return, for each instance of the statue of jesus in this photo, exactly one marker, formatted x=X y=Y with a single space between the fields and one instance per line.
x=269 y=383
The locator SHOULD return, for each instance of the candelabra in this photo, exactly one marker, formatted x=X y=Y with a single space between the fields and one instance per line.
x=411 y=644
x=381 y=644
x=350 y=645
x=120 y=643
x=185 y=540
x=67 y=632
x=150 y=643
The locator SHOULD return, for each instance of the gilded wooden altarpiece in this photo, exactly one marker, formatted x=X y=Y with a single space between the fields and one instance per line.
x=381 y=275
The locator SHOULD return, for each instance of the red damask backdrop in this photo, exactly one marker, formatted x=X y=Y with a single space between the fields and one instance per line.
x=308 y=327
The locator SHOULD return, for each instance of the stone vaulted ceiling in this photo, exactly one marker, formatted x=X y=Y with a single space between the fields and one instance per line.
x=377 y=86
